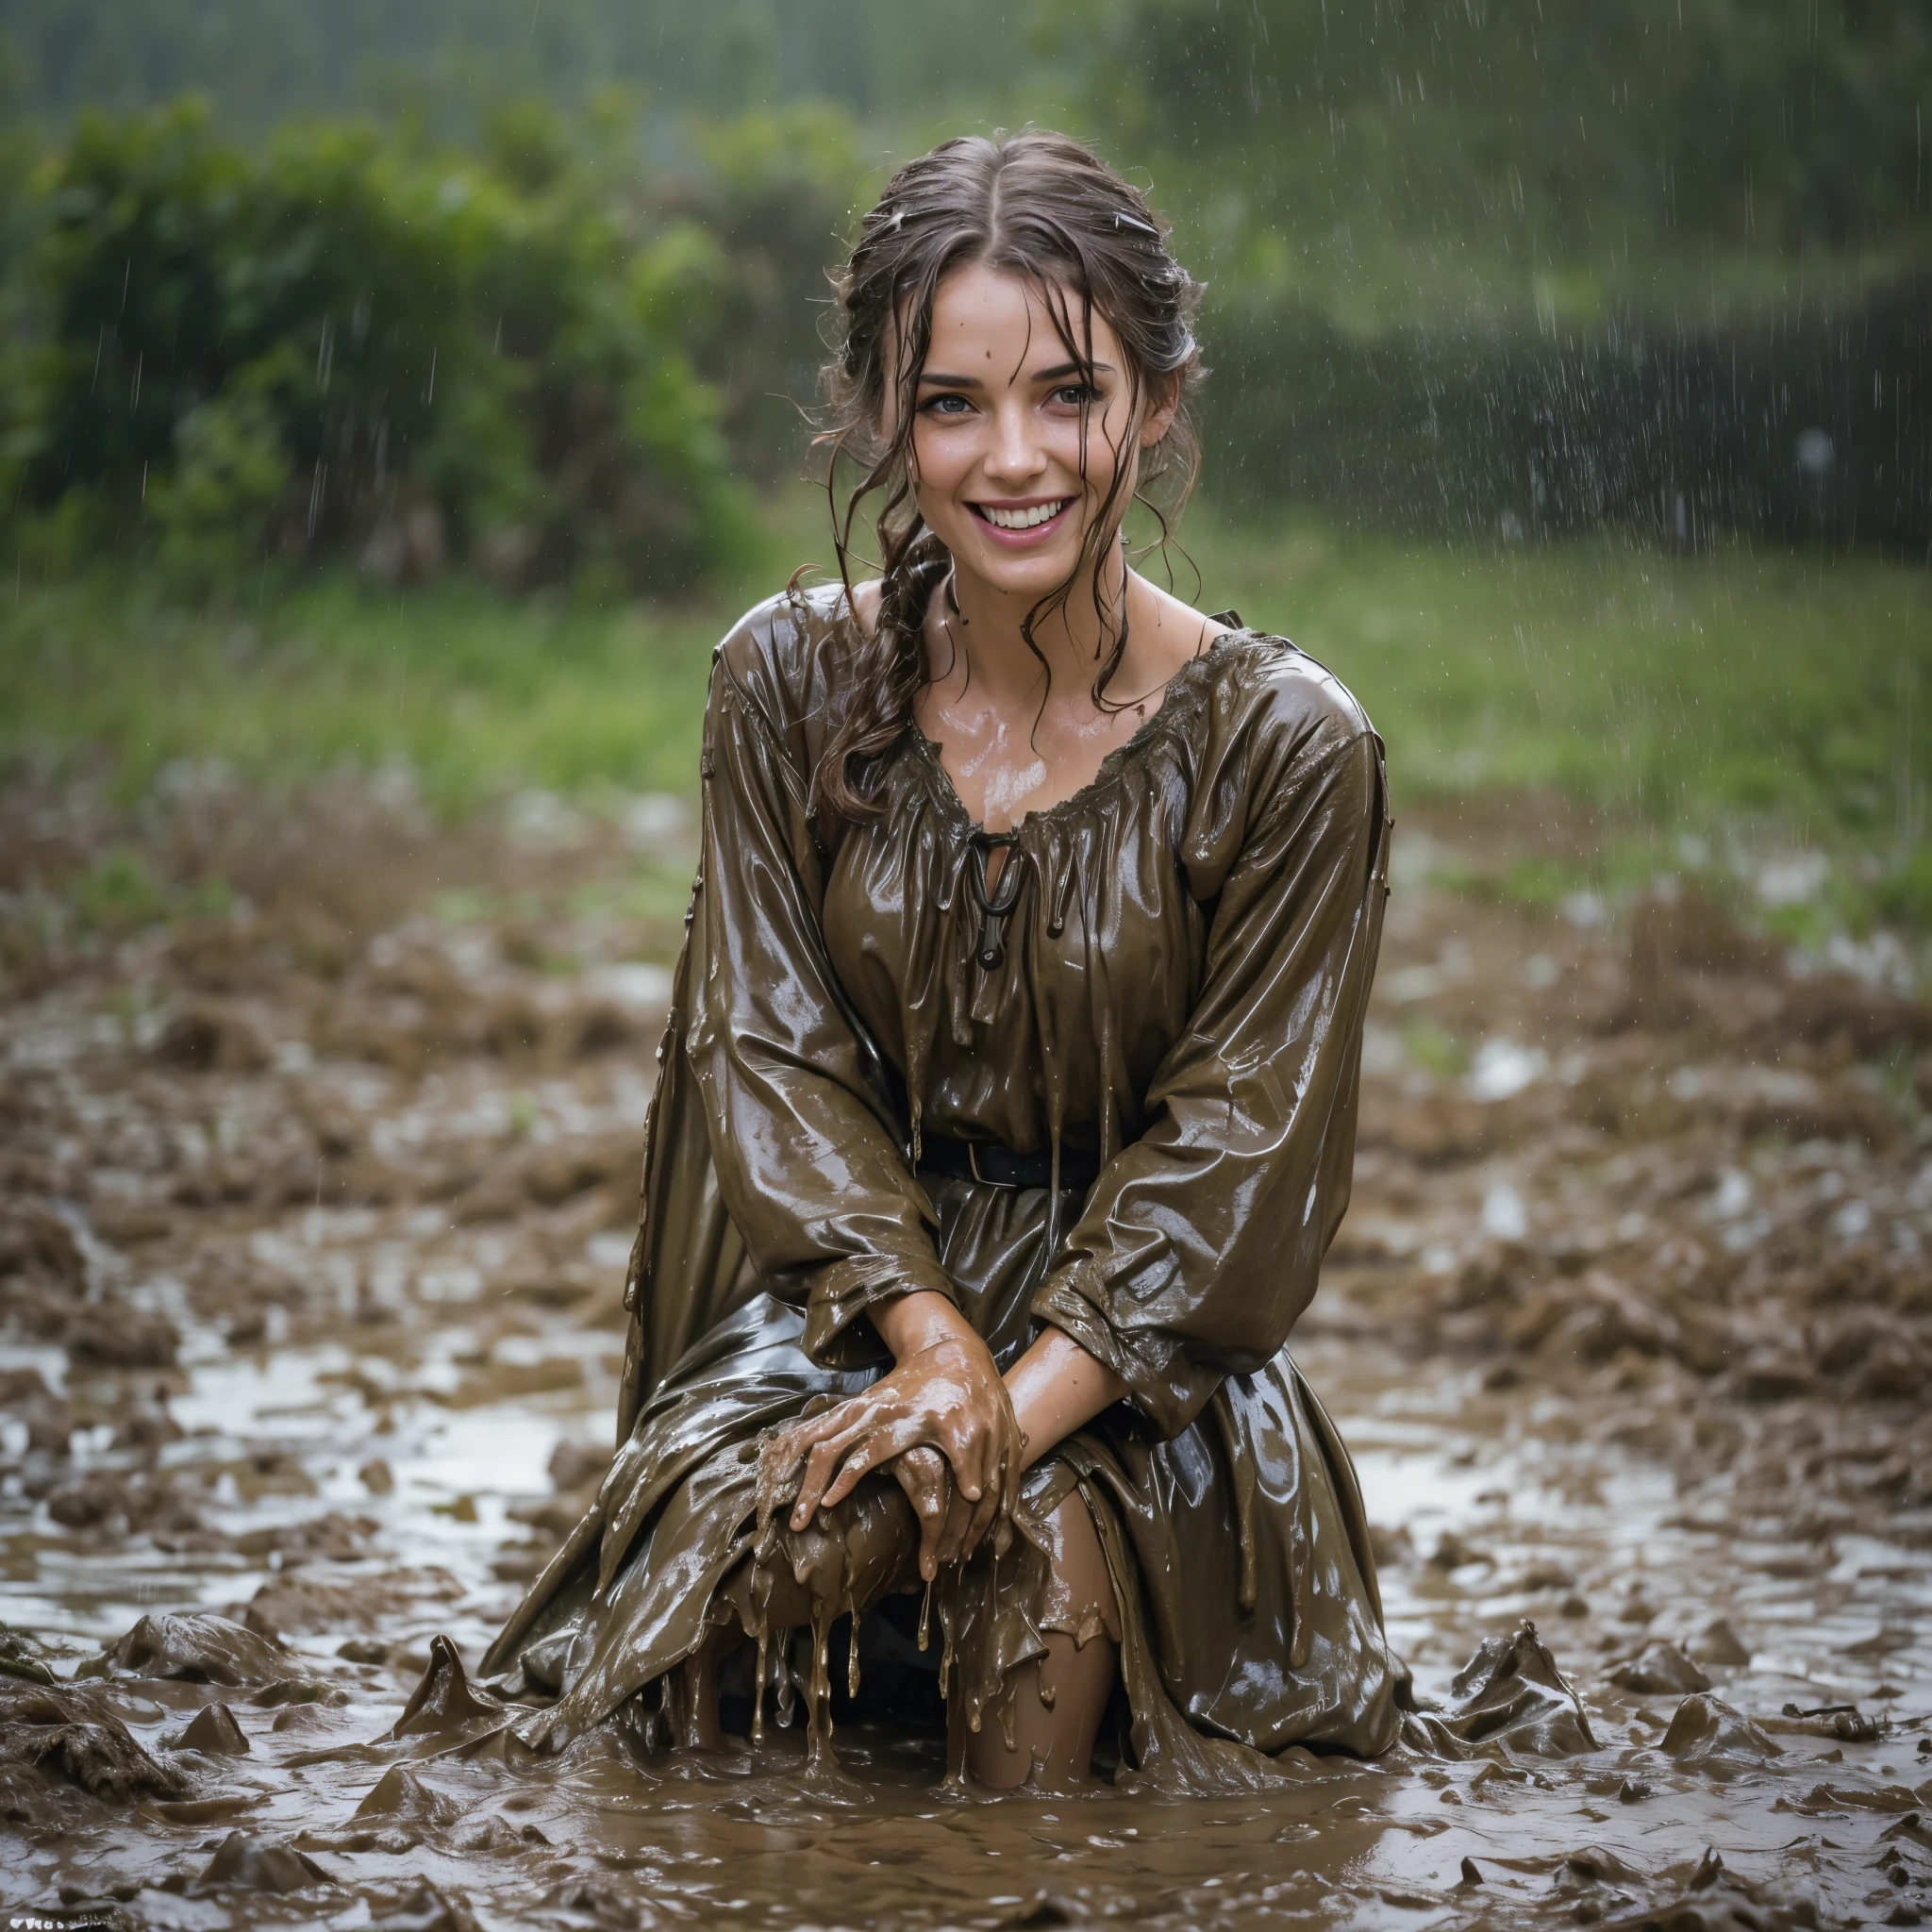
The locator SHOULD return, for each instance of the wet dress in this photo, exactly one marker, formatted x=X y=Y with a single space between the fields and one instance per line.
x=1165 y=989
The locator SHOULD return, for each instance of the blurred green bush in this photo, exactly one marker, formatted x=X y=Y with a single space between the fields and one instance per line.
x=345 y=347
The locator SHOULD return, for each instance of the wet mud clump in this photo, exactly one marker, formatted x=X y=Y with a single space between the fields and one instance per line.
x=53 y=1732
x=313 y=1222
x=1510 y=1694
x=196 y=1648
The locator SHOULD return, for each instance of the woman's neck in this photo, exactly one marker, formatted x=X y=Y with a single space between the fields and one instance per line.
x=1075 y=636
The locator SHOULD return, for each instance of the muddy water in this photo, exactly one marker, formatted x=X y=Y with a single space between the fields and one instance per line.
x=308 y=1265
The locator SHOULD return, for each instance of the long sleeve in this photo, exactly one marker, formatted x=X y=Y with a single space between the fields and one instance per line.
x=808 y=1157
x=1200 y=1242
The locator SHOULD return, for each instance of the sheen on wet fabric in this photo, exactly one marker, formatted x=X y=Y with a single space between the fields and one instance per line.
x=1175 y=992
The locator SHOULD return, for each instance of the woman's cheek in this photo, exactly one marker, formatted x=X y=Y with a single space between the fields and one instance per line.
x=935 y=465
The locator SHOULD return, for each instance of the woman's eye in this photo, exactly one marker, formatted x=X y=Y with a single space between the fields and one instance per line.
x=947 y=406
x=1076 y=395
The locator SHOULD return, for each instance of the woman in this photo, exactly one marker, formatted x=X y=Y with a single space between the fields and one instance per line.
x=1007 y=1103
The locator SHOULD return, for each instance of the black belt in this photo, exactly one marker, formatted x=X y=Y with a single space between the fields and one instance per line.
x=994 y=1166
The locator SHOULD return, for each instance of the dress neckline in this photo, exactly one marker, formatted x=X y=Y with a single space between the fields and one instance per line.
x=1180 y=692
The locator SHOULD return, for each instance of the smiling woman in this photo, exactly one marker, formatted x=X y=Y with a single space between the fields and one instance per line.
x=1018 y=457
x=1007 y=1106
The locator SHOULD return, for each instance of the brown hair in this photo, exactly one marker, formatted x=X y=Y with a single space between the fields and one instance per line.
x=1043 y=207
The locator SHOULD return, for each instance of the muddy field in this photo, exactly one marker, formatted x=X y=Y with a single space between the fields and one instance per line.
x=314 y=1206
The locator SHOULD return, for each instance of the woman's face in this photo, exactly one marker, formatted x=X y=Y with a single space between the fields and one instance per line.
x=996 y=452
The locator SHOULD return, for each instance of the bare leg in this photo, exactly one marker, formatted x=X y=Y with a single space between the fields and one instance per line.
x=1058 y=1702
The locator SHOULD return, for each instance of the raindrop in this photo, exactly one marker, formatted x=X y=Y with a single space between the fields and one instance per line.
x=1815 y=451
x=1504 y=1214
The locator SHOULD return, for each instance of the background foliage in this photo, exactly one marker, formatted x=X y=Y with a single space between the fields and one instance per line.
x=1471 y=268
x=338 y=344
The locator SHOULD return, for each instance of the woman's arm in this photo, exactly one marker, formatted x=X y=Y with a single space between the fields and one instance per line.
x=1202 y=1240
x=803 y=1136
x=1057 y=1388
x=802 y=1141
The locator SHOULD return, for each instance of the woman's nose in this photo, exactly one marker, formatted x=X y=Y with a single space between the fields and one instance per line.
x=1017 y=452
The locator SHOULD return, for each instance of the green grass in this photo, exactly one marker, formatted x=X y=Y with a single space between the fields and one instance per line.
x=472 y=693
x=1665 y=689
x=1674 y=693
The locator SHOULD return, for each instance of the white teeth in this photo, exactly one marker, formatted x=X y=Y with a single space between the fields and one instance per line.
x=1024 y=519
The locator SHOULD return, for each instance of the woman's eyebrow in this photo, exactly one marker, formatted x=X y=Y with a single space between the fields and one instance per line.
x=1058 y=373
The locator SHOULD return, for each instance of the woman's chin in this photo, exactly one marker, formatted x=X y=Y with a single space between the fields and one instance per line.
x=1014 y=571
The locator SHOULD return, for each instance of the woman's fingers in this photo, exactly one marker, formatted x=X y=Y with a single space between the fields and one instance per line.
x=821 y=1468
x=983 y=1447
x=877 y=1448
x=923 y=1474
x=952 y=1538
x=798 y=1438
x=985 y=1513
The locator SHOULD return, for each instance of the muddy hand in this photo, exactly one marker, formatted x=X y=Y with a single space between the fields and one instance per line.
x=942 y=1512
x=948 y=1397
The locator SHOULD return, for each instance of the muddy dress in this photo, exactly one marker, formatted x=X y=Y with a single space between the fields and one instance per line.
x=1162 y=998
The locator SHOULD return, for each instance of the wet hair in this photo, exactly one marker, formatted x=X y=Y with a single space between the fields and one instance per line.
x=1036 y=205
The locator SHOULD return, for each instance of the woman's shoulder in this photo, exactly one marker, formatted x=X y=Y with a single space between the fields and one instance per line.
x=774 y=657
x=1263 y=688
x=1276 y=731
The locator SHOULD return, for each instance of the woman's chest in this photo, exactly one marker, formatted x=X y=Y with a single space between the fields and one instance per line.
x=1075 y=934
x=1003 y=765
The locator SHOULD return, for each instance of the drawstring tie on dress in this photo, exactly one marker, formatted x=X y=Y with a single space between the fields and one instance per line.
x=996 y=903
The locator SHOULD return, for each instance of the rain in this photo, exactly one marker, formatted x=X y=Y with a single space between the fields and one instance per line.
x=398 y=402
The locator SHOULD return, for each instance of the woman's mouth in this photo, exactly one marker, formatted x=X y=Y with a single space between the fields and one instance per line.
x=1022 y=522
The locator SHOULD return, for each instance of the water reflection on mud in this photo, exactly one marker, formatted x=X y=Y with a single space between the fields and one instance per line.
x=311 y=1244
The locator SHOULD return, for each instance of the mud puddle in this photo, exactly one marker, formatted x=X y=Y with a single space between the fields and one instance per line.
x=312 y=1222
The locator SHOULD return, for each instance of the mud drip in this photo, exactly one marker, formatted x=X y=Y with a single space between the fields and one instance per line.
x=818 y=1754
x=839 y=1563
x=787 y=1700
x=760 y=1682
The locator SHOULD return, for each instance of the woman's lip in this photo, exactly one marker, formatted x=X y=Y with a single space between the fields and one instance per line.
x=1023 y=539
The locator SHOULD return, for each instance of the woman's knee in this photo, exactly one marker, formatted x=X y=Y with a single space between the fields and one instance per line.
x=848 y=1555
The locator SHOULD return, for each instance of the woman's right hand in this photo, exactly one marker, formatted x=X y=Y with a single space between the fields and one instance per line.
x=945 y=1515
x=946 y=1395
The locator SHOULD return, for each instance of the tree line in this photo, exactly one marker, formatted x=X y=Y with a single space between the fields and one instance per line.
x=536 y=287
